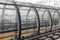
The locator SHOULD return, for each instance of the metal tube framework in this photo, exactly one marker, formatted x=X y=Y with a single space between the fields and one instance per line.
x=18 y=13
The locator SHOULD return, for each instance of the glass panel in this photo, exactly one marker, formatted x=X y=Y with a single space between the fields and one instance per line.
x=1 y=6
x=10 y=18
x=45 y=20
x=8 y=21
x=0 y=16
x=59 y=18
x=10 y=7
x=29 y=20
x=55 y=19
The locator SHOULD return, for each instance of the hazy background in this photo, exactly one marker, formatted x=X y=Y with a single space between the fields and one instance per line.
x=44 y=2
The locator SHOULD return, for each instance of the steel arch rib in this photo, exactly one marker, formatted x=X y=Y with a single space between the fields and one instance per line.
x=19 y=20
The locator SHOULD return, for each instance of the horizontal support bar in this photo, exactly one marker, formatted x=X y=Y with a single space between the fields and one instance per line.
x=36 y=36
x=14 y=30
x=42 y=34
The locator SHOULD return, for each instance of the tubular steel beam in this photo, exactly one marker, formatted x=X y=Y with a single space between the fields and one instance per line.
x=23 y=33
x=37 y=16
x=14 y=30
x=42 y=35
x=38 y=20
x=27 y=15
x=19 y=20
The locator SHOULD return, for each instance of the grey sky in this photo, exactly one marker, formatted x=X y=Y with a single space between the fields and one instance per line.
x=44 y=2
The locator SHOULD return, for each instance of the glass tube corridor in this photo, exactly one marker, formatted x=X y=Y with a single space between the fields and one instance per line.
x=22 y=21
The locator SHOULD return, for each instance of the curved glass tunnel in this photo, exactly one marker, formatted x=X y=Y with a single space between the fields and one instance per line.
x=31 y=19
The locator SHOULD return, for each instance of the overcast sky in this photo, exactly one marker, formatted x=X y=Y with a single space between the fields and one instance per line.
x=44 y=2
